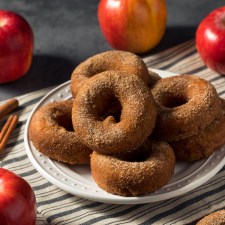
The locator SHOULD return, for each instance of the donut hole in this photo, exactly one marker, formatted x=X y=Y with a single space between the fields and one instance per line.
x=114 y=109
x=141 y=157
x=106 y=105
x=135 y=156
x=174 y=101
x=65 y=122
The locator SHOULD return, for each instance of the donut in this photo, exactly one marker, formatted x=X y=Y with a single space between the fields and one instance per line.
x=186 y=104
x=204 y=143
x=51 y=133
x=144 y=174
x=109 y=60
x=114 y=134
x=154 y=77
x=216 y=218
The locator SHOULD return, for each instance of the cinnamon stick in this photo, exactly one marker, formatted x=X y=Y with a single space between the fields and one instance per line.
x=7 y=130
x=5 y=127
x=8 y=107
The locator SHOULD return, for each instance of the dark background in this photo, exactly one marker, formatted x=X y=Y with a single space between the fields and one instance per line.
x=67 y=32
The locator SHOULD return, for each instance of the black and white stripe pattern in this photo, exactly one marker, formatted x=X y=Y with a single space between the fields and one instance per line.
x=59 y=208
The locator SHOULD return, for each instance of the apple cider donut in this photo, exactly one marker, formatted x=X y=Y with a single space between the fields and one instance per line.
x=186 y=105
x=111 y=60
x=137 y=177
x=215 y=218
x=154 y=77
x=204 y=143
x=52 y=134
x=114 y=134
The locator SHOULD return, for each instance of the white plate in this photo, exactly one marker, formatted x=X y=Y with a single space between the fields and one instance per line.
x=77 y=180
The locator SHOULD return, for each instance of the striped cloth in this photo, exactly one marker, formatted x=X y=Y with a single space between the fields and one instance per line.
x=58 y=207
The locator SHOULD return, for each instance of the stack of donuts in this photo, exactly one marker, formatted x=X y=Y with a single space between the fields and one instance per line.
x=191 y=116
x=129 y=123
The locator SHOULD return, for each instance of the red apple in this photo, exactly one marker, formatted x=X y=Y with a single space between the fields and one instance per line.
x=17 y=200
x=16 y=46
x=210 y=40
x=133 y=25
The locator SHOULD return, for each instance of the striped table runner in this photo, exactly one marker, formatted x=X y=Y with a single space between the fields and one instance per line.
x=58 y=207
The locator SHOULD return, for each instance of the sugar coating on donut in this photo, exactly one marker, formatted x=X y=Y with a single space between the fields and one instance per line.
x=110 y=60
x=216 y=218
x=107 y=135
x=133 y=178
x=186 y=105
x=52 y=134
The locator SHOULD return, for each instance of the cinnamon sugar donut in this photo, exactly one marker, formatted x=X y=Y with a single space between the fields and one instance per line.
x=216 y=218
x=132 y=178
x=52 y=134
x=113 y=135
x=204 y=143
x=110 y=60
x=186 y=105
